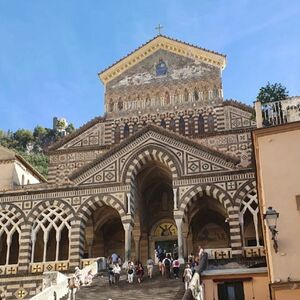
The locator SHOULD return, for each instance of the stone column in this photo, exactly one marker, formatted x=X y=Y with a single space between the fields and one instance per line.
x=128 y=231
x=179 y=236
x=258 y=112
x=76 y=237
x=25 y=249
x=235 y=232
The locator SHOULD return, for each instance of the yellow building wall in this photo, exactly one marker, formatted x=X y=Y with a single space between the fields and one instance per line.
x=287 y=295
x=257 y=288
x=277 y=152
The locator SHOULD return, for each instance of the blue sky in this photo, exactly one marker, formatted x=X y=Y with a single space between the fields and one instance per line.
x=51 y=51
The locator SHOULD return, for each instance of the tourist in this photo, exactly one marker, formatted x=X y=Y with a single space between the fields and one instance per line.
x=167 y=262
x=114 y=258
x=176 y=265
x=110 y=273
x=130 y=271
x=150 y=264
x=139 y=272
x=160 y=255
x=88 y=278
x=187 y=276
x=119 y=261
x=200 y=252
x=117 y=272
x=78 y=274
x=191 y=258
x=73 y=286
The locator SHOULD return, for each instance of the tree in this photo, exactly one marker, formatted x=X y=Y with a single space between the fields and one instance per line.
x=70 y=128
x=272 y=93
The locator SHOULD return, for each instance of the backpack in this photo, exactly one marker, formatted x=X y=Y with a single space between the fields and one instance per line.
x=167 y=262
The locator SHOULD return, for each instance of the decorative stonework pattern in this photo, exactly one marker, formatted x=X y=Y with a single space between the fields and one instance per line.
x=152 y=145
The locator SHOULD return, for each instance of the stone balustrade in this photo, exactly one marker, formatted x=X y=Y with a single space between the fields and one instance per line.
x=278 y=112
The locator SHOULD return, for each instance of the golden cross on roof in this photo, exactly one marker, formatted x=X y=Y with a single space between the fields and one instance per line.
x=159 y=28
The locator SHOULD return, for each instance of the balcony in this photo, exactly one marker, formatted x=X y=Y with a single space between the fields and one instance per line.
x=277 y=113
x=222 y=258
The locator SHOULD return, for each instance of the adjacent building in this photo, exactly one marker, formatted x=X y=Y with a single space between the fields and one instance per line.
x=278 y=163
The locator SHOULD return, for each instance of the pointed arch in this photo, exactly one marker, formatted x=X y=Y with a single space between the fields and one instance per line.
x=210 y=190
x=87 y=207
x=150 y=153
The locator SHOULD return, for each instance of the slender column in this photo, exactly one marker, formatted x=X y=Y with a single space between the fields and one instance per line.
x=179 y=236
x=175 y=199
x=128 y=231
x=128 y=203
x=45 y=245
x=33 y=239
x=57 y=245
x=8 y=242
x=255 y=221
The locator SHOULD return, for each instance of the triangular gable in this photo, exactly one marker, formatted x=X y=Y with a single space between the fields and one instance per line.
x=90 y=134
x=191 y=158
x=165 y=43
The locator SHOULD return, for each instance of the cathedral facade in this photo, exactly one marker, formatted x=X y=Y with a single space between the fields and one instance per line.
x=169 y=164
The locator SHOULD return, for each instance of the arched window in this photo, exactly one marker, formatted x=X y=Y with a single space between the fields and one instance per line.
x=120 y=104
x=210 y=123
x=51 y=235
x=167 y=98
x=186 y=95
x=200 y=124
x=191 y=125
x=126 y=130
x=196 y=95
x=117 y=134
x=163 y=123
x=249 y=207
x=172 y=125
x=9 y=238
x=111 y=105
x=176 y=97
x=181 y=125
x=148 y=100
x=135 y=127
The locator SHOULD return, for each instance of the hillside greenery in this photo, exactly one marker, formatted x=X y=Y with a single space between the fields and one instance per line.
x=31 y=145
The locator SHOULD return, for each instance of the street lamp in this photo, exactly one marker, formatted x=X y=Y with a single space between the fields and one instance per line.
x=271 y=217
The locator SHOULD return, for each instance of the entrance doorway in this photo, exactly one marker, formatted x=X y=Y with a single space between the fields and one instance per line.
x=169 y=246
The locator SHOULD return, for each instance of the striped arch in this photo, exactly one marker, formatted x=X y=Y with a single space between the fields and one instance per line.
x=210 y=190
x=18 y=213
x=90 y=205
x=243 y=191
x=147 y=154
x=39 y=208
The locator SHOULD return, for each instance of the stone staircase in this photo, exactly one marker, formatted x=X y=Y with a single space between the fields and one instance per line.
x=157 y=288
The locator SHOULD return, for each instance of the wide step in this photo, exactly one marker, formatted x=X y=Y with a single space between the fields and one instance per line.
x=157 y=288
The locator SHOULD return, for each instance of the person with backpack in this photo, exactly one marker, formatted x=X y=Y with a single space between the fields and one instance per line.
x=130 y=271
x=150 y=264
x=187 y=276
x=176 y=265
x=167 y=266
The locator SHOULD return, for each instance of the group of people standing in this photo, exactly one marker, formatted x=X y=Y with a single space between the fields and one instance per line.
x=167 y=265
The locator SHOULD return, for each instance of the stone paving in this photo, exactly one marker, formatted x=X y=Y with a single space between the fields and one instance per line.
x=157 y=288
